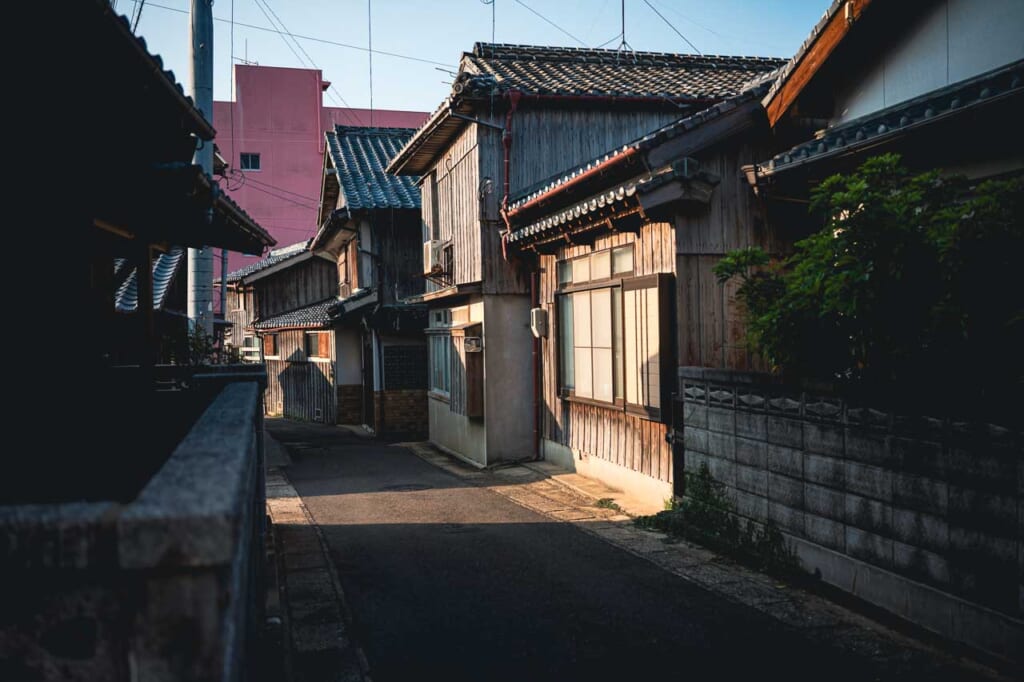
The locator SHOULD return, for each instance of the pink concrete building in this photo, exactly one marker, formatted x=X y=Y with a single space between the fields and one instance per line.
x=272 y=137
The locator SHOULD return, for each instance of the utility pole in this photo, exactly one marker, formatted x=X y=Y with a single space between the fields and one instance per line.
x=200 y=261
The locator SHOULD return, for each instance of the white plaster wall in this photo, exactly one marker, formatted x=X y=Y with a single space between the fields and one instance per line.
x=348 y=357
x=462 y=435
x=508 y=377
x=953 y=41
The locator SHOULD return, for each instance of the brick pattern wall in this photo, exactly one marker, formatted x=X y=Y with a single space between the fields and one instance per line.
x=350 y=404
x=932 y=502
x=401 y=413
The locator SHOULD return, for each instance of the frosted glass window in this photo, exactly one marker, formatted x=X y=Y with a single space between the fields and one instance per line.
x=622 y=260
x=581 y=270
x=601 y=265
x=584 y=378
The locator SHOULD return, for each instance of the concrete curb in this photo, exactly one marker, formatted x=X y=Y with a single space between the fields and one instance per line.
x=316 y=614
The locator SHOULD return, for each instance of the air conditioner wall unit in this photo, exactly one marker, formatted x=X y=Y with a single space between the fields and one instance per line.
x=431 y=256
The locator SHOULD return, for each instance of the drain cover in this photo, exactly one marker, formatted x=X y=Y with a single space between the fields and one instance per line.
x=406 y=487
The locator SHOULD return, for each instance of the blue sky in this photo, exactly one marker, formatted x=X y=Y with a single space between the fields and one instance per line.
x=440 y=30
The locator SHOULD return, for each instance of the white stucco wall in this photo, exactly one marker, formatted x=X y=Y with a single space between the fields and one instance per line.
x=953 y=41
x=508 y=378
x=461 y=435
x=349 y=357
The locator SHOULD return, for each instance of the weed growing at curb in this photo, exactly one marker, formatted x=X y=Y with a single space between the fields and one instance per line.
x=608 y=503
x=706 y=516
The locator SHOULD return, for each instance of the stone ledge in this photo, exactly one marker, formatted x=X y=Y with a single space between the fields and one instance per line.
x=188 y=514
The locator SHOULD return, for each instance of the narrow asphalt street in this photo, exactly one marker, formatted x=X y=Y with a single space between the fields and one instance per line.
x=447 y=579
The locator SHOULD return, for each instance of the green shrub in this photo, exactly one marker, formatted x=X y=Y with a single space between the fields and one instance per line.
x=912 y=280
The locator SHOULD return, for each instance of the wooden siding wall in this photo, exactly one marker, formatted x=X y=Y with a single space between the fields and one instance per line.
x=549 y=141
x=711 y=331
x=610 y=434
x=238 y=318
x=297 y=286
x=297 y=386
x=457 y=180
x=396 y=236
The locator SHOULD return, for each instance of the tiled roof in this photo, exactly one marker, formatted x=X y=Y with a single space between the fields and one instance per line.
x=276 y=256
x=663 y=134
x=201 y=126
x=606 y=204
x=310 y=316
x=360 y=156
x=648 y=77
x=579 y=71
x=899 y=119
x=165 y=267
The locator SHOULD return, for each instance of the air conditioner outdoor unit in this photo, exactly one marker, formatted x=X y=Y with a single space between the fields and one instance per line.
x=431 y=256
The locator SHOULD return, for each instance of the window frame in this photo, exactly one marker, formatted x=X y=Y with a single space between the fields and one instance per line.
x=272 y=338
x=251 y=155
x=308 y=345
x=439 y=333
x=620 y=284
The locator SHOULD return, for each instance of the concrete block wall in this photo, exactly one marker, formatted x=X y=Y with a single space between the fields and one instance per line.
x=919 y=515
x=166 y=587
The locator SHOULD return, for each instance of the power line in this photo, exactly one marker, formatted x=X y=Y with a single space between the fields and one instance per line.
x=520 y=2
x=249 y=178
x=697 y=23
x=282 y=34
x=662 y=16
x=310 y=38
x=285 y=32
x=278 y=196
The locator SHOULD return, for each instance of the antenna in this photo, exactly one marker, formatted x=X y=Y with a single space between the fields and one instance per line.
x=492 y=3
x=369 y=34
x=624 y=45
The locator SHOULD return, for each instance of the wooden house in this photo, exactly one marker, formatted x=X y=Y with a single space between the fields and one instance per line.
x=278 y=308
x=516 y=116
x=624 y=246
x=370 y=231
x=932 y=81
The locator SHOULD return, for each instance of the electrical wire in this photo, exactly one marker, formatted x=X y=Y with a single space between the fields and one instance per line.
x=520 y=2
x=282 y=198
x=250 y=178
x=309 y=38
x=678 y=33
x=285 y=32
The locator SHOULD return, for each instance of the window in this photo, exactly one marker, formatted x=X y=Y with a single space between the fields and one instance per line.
x=318 y=344
x=270 y=345
x=250 y=350
x=250 y=161
x=610 y=333
x=440 y=356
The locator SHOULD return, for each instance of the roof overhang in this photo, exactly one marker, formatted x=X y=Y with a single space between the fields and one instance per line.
x=283 y=265
x=834 y=26
x=943 y=127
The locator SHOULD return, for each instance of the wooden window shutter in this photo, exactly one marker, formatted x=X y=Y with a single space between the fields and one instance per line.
x=270 y=344
x=323 y=345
